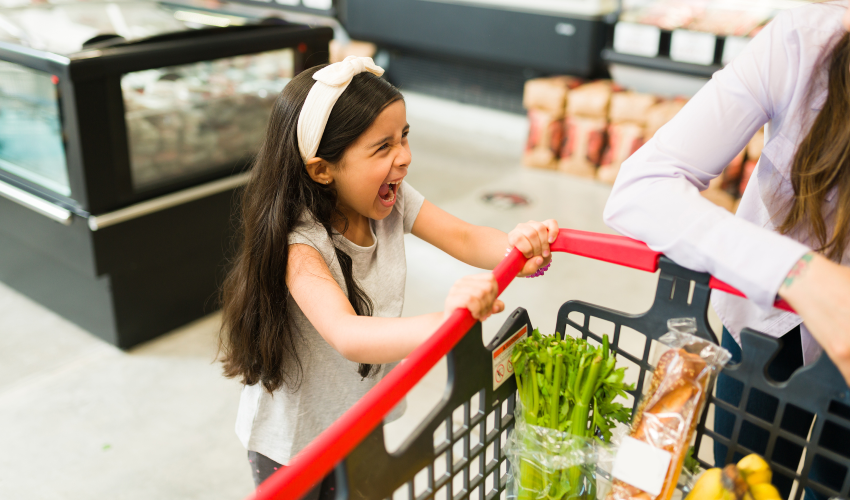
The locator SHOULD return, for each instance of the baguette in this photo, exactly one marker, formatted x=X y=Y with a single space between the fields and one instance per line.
x=668 y=416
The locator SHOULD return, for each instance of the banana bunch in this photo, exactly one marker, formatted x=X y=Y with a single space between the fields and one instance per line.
x=748 y=480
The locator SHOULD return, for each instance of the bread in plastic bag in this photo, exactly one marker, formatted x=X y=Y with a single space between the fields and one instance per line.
x=673 y=403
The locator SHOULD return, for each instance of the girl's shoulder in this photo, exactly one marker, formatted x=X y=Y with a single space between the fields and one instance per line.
x=308 y=231
x=408 y=205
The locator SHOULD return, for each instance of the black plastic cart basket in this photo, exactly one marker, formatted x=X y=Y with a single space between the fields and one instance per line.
x=457 y=452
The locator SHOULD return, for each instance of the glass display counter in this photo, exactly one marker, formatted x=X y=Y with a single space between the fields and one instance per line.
x=132 y=125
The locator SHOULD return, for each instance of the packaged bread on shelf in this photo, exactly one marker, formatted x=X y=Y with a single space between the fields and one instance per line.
x=590 y=100
x=650 y=458
x=732 y=173
x=548 y=94
x=623 y=140
x=545 y=135
x=754 y=149
x=632 y=107
x=583 y=145
x=627 y=114
x=659 y=114
x=717 y=195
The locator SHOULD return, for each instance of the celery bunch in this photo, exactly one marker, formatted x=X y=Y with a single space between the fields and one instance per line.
x=569 y=386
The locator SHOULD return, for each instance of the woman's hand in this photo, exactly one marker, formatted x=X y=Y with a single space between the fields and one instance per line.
x=477 y=293
x=819 y=290
x=532 y=239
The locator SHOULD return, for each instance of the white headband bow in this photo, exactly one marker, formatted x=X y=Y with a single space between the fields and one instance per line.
x=331 y=82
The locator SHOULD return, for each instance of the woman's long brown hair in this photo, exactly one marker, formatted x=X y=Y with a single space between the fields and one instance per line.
x=258 y=340
x=822 y=163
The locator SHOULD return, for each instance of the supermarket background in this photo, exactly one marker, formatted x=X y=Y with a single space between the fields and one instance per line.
x=125 y=130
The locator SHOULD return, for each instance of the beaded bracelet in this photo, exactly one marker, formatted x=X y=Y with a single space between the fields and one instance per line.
x=539 y=271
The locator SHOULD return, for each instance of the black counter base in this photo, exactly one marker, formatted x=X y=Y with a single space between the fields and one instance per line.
x=147 y=290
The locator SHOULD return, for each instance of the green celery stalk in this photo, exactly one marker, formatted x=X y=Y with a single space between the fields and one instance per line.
x=578 y=424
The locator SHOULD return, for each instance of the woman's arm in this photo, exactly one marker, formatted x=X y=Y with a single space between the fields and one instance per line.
x=484 y=247
x=365 y=339
x=819 y=290
x=656 y=196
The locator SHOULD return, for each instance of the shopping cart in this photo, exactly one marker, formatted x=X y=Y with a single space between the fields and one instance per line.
x=457 y=452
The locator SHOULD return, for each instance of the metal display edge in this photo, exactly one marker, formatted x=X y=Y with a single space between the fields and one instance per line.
x=97 y=222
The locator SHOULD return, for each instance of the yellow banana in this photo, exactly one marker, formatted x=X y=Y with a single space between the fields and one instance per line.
x=755 y=470
x=708 y=486
x=719 y=484
x=764 y=491
x=733 y=481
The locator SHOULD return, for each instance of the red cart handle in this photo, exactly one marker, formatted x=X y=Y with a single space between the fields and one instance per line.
x=316 y=460
x=630 y=253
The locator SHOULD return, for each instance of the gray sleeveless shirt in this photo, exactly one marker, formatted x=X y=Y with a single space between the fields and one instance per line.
x=281 y=424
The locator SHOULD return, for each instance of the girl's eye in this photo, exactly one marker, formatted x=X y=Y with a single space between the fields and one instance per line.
x=383 y=147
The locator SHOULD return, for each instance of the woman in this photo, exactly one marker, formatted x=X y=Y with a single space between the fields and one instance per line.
x=790 y=235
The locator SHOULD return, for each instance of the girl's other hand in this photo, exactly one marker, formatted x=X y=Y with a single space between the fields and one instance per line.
x=819 y=290
x=532 y=239
x=477 y=293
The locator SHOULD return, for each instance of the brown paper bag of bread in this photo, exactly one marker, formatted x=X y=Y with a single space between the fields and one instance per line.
x=732 y=172
x=658 y=115
x=754 y=149
x=545 y=135
x=717 y=195
x=590 y=100
x=623 y=140
x=631 y=107
x=549 y=94
x=582 y=149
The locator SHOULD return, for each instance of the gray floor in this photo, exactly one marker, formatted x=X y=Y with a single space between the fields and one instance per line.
x=80 y=419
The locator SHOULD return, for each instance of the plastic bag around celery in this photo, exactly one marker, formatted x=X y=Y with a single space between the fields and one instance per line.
x=663 y=427
x=552 y=465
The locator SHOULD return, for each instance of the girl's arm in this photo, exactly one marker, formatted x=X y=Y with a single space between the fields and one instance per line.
x=365 y=339
x=484 y=247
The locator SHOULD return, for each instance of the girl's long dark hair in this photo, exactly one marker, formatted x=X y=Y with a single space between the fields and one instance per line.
x=258 y=340
x=822 y=163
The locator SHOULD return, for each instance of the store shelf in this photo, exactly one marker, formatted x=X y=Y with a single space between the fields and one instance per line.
x=660 y=63
x=316 y=7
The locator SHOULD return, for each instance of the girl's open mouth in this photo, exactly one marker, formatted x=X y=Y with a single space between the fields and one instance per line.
x=388 y=192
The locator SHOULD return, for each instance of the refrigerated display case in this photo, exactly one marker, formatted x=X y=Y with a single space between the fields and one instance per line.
x=672 y=47
x=132 y=124
x=482 y=51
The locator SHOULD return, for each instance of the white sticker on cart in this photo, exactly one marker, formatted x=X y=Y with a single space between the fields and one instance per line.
x=502 y=366
x=641 y=465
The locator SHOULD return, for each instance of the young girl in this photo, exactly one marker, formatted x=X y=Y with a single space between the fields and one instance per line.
x=312 y=305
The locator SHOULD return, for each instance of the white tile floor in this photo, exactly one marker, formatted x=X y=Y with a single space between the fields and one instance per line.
x=80 y=419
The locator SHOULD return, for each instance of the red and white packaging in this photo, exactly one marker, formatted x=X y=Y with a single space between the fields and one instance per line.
x=631 y=107
x=718 y=196
x=658 y=115
x=623 y=140
x=626 y=133
x=732 y=173
x=590 y=100
x=754 y=149
x=545 y=136
x=549 y=94
x=583 y=147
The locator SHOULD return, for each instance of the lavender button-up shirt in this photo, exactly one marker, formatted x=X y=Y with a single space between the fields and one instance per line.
x=779 y=80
